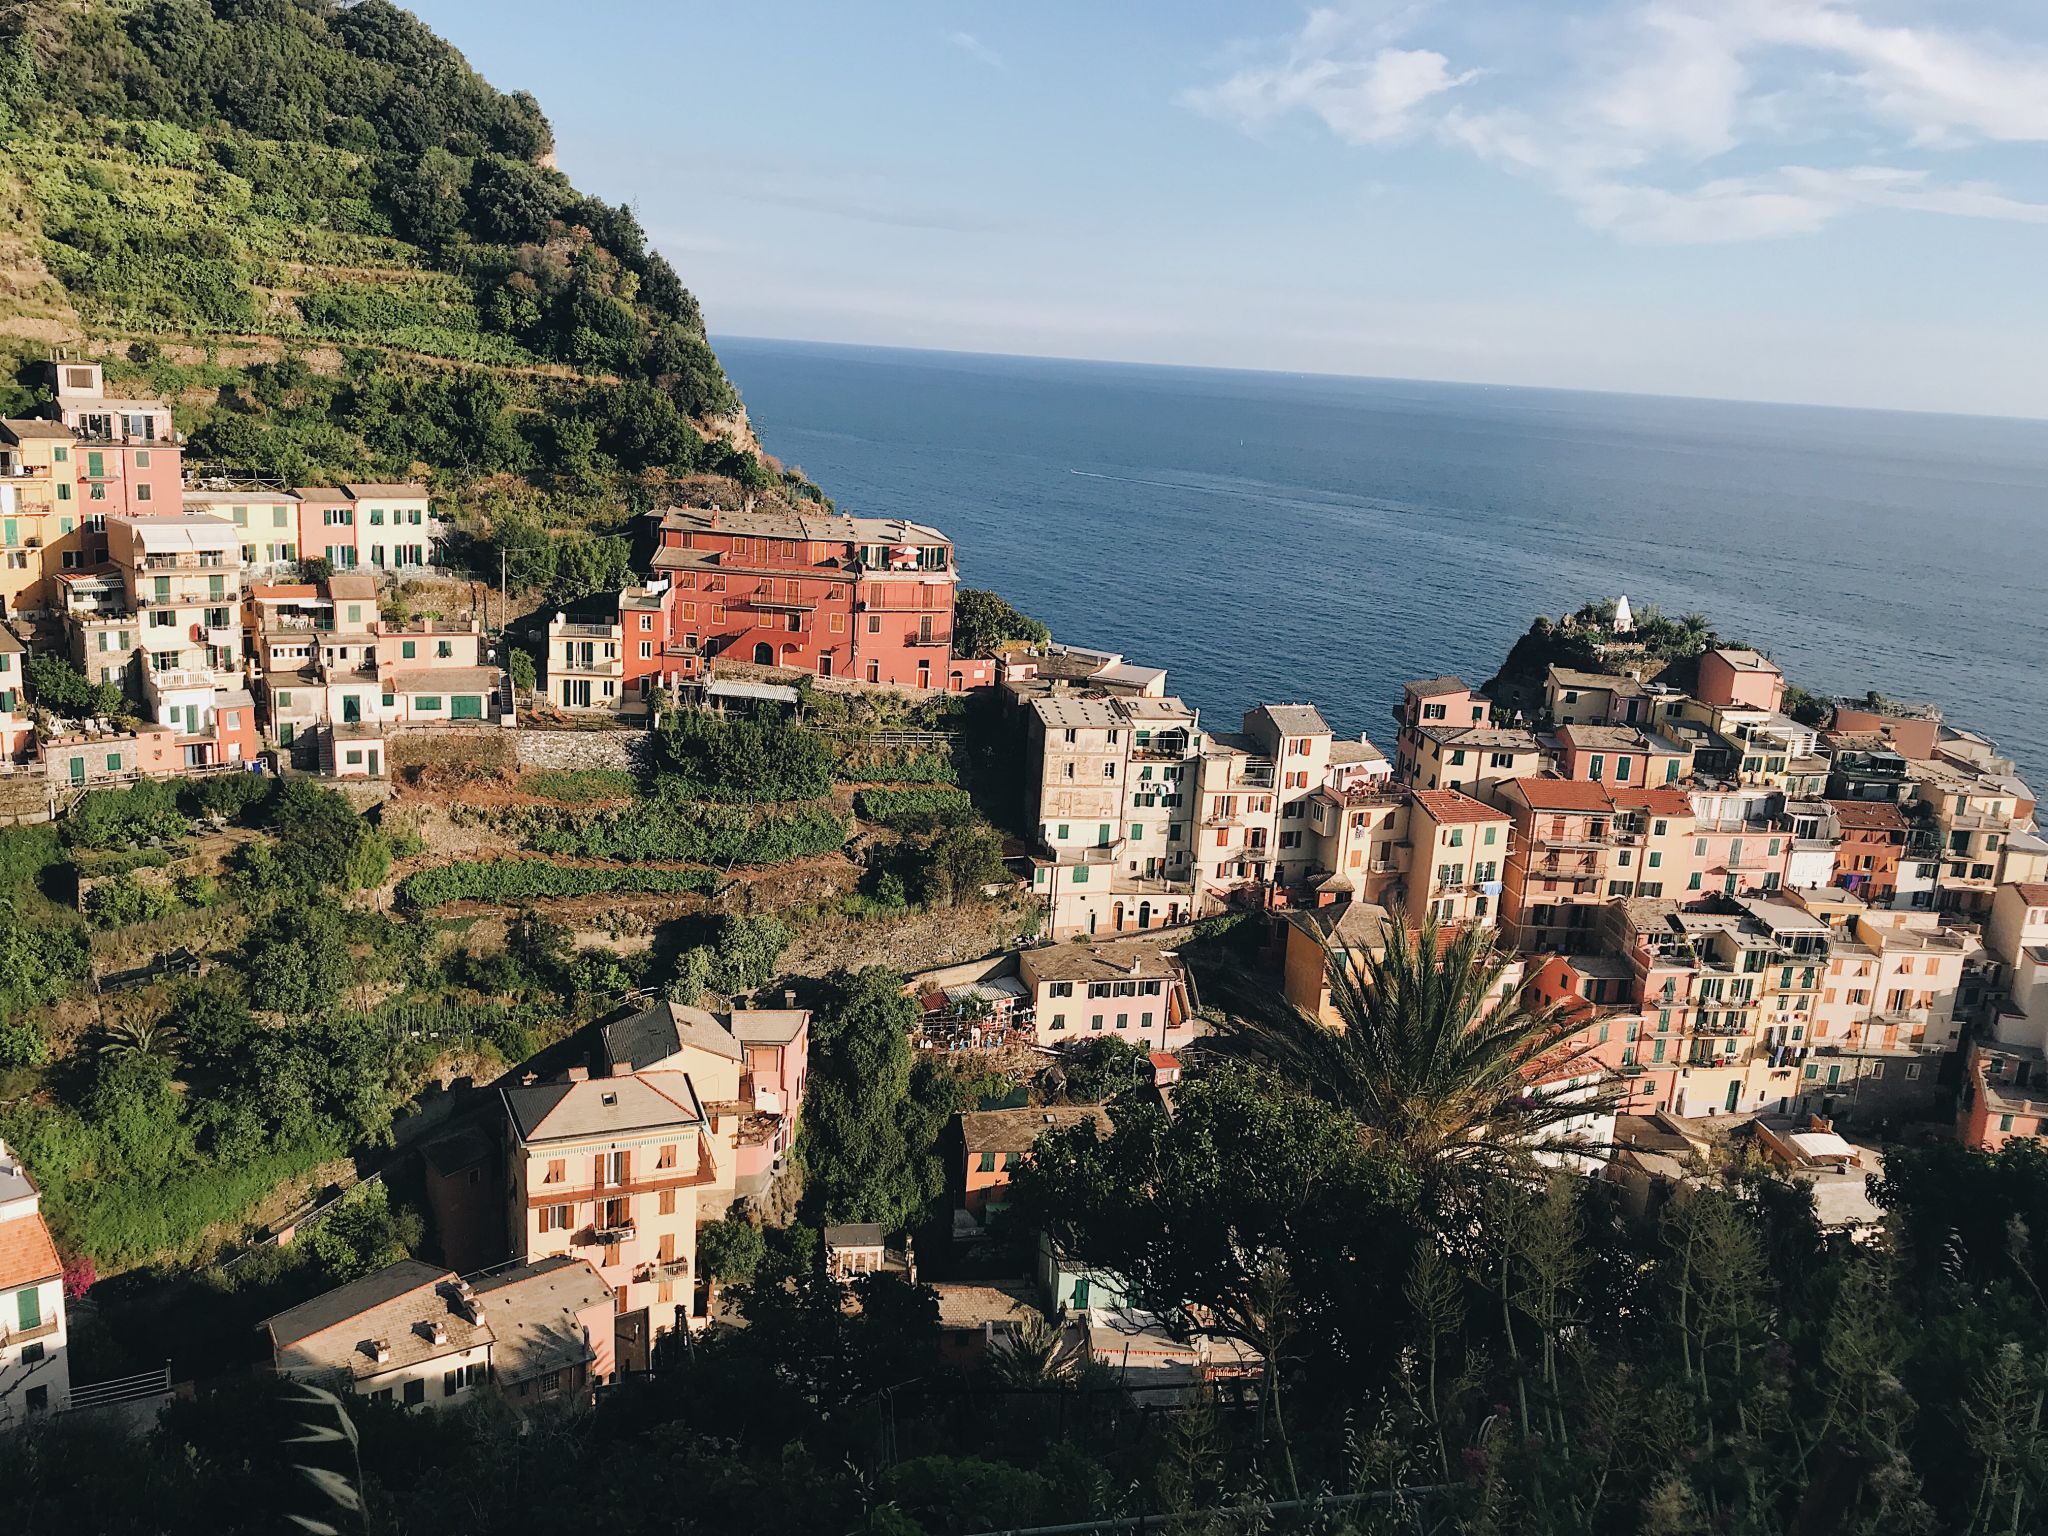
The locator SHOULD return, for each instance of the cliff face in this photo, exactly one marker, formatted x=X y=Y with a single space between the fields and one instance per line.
x=343 y=254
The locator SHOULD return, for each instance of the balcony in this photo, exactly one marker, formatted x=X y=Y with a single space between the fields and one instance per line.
x=929 y=642
x=1258 y=775
x=14 y=1338
x=1571 y=840
x=666 y=1269
x=613 y=1232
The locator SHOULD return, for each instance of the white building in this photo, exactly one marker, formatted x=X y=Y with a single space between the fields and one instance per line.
x=35 y=1376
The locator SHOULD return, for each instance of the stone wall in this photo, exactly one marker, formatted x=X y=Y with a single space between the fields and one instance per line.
x=631 y=751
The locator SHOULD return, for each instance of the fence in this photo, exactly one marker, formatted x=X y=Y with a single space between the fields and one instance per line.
x=123 y=1389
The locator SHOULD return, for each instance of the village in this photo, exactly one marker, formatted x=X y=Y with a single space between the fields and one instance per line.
x=1804 y=940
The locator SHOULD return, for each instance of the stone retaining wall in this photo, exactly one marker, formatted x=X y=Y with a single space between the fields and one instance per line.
x=630 y=751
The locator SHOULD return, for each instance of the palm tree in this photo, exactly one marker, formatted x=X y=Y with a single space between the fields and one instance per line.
x=1036 y=1355
x=1439 y=1074
x=141 y=1037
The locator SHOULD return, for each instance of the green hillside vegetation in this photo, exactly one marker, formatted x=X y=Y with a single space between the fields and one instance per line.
x=342 y=255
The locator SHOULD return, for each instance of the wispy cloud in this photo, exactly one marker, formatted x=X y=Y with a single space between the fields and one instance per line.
x=1654 y=94
x=1342 y=67
x=975 y=48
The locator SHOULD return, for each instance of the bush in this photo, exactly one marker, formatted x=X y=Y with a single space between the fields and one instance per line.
x=668 y=827
x=913 y=810
x=126 y=818
x=736 y=759
x=984 y=623
x=740 y=958
x=124 y=900
x=507 y=882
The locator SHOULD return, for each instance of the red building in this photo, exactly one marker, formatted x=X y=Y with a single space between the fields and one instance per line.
x=865 y=599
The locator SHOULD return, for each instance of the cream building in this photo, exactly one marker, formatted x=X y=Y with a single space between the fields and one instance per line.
x=619 y=1171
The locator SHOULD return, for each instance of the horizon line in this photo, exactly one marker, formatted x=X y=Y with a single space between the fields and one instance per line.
x=1381 y=378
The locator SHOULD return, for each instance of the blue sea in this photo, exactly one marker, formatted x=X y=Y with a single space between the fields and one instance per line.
x=1282 y=537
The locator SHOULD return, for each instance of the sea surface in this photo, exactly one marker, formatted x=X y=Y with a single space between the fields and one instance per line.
x=1280 y=538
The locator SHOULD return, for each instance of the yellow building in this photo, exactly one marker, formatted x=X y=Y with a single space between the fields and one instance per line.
x=1460 y=850
x=1348 y=933
x=41 y=529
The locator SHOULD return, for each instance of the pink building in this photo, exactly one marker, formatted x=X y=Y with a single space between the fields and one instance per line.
x=1434 y=701
x=128 y=459
x=1740 y=679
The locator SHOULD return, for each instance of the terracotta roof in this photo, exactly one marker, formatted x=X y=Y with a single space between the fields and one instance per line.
x=26 y=1253
x=2032 y=892
x=263 y=591
x=1663 y=800
x=1449 y=805
x=1562 y=794
x=1868 y=815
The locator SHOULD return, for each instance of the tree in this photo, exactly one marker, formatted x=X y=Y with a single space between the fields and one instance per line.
x=297 y=959
x=140 y=1037
x=858 y=1163
x=984 y=623
x=729 y=1251
x=1439 y=1075
x=1232 y=1219
x=56 y=685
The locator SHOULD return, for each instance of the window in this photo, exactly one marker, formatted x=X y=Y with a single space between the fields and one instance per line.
x=987 y=1163
x=665 y=1203
x=666 y=1156
x=407 y=649
x=415 y=1392
x=558 y=1171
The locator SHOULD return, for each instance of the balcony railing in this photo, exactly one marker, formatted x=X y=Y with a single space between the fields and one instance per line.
x=1573 y=840
x=604 y=1235
x=13 y=1338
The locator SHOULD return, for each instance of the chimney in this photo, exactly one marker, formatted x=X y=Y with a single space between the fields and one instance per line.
x=434 y=1332
x=576 y=1075
x=789 y=997
x=378 y=1350
x=528 y=1079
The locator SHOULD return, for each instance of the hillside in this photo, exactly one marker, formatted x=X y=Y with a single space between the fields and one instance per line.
x=341 y=254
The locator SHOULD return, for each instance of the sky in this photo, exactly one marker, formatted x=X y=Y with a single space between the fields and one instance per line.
x=1830 y=201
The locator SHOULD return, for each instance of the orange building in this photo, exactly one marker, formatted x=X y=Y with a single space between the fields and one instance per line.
x=862 y=598
x=990 y=1144
x=1557 y=865
x=1739 y=679
x=1873 y=842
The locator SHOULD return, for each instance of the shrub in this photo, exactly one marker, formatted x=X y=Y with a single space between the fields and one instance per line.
x=667 y=827
x=123 y=900
x=736 y=759
x=125 y=818
x=510 y=881
x=913 y=810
